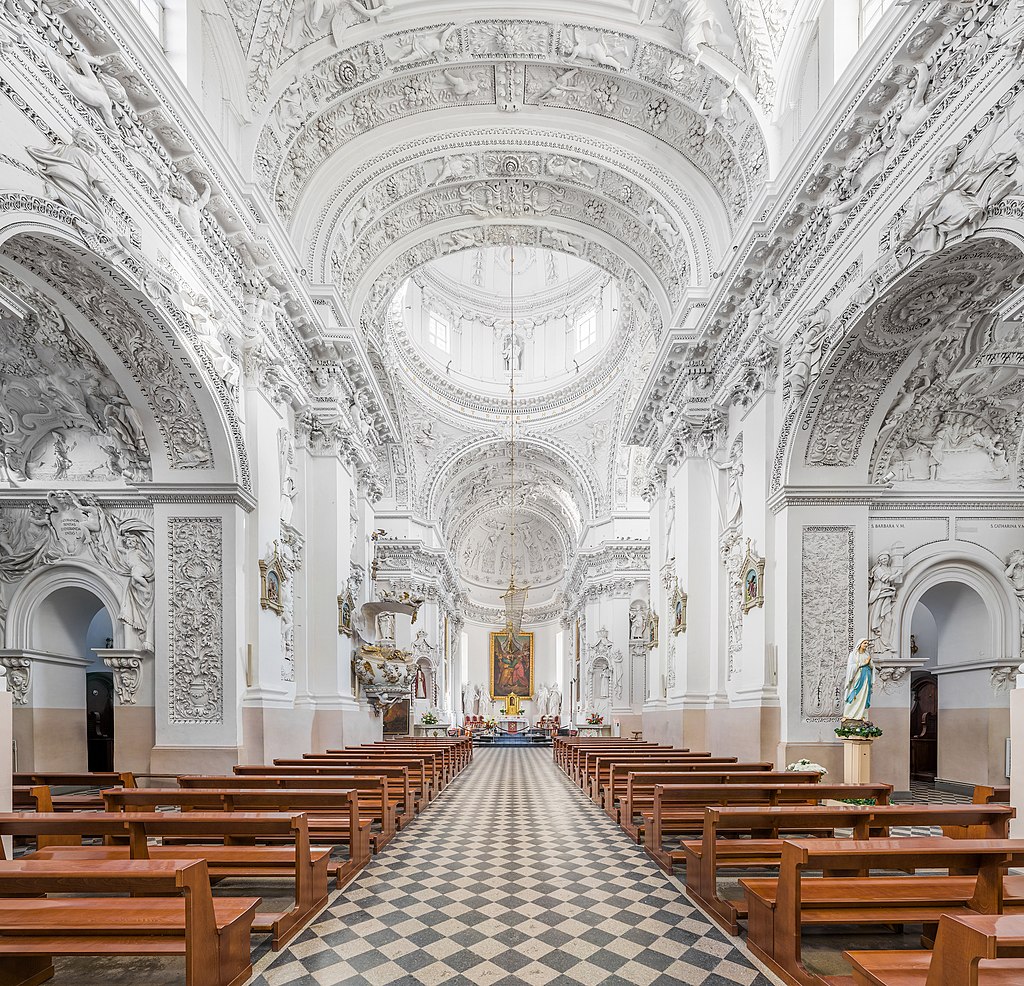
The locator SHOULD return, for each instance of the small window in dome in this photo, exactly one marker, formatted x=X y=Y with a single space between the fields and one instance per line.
x=586 y=332
x=439 y=334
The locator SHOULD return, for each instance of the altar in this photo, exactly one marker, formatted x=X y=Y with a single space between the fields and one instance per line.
x=513 y=724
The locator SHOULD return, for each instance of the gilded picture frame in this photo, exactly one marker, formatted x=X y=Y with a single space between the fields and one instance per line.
x=678 y=611
x=752 y=580
x=272 y=576
x=511 y=672
x=346 y=607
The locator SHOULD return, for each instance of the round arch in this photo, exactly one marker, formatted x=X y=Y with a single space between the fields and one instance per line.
x=36 y=588
x=146 y=344
x=970 y=565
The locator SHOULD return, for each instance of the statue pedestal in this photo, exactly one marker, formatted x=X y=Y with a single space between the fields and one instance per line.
x=857 y=761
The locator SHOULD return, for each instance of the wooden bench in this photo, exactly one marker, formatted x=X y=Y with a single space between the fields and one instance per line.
x=645 y=790
x=421 y=783
x=392 y=813
x=78 y=801
x=440 y=763
x=566 y=749
x=414 y=791
x=59 y=836
x=212 y=934
x=332 y=815
x=597 y=767
x=678 y=809
x=586 y=760
x=984 y=794
x=615 y=788
x=720 y=846
x=375 y=804
x=779 y=908
x=969 y=949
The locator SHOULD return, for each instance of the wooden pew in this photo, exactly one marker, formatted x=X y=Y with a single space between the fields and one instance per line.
x=581 y=757
x=720 y=846
x=567 y=750
x=375 y=805
x=780 y=907
x=595 y=767
x=969 y=949
x=425 y=773
x=438 y=766
x=31 y=798
x=984 y=794
x=414 y=788
x=332 y=815
x=59 y=836
x=396 y=778
x=615 y=788
x=93 y=781
x=211 y=933
x=678 y=809
x=636 y=814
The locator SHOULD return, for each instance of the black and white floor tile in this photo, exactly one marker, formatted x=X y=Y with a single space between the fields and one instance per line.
x=511 y=877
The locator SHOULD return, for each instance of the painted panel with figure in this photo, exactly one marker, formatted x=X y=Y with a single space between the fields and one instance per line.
x=511 y=667
x=396 y=719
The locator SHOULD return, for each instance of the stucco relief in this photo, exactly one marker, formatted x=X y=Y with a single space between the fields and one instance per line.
x=70 y=526
x=940 y=303
x=195 y=592
x=826 y=618
x=157 y=374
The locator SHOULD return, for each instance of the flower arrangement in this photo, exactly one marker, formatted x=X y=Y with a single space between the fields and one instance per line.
x=490 y=723
x=805 y=764
x=595 y=719
x=429 y=719
x=857 y=729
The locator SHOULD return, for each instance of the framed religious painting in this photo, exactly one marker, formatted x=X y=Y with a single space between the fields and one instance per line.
x=678 y=611
x=272 y=575
x=752 y=585
x=346 y=606
x=396 y=718
x=511 y=665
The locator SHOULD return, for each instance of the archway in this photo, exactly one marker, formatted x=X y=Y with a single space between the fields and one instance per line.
x=63 y=726
x=952 y=695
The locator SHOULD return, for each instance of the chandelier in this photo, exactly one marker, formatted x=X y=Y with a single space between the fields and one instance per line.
x=515 y=595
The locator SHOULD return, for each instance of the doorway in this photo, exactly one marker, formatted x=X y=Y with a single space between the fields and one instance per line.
x=924 y=727
x=99 y=720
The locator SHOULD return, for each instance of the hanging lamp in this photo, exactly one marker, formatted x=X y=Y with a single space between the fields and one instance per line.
x=515 y=596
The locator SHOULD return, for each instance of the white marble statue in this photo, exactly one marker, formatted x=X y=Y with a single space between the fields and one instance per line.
x=883 y=580
x=806 y=353
x=72 y=173
x=554 y=700
x=860 y=675
x=542 y=700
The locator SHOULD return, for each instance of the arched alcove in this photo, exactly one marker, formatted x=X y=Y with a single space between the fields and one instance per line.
x=952 y=624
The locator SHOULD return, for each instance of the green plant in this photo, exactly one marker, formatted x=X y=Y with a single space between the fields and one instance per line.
x=857 y=729
x=595 y=719
x=429 y=719
x=858 y=801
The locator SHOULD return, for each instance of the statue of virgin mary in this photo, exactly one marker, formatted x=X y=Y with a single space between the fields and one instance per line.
x=860 y=677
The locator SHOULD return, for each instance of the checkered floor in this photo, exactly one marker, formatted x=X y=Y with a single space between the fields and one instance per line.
x=511 y=877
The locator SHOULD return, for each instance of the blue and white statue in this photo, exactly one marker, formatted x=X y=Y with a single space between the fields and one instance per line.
x=860 y=677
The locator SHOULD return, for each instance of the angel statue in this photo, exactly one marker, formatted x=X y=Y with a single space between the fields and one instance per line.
x=860 y=677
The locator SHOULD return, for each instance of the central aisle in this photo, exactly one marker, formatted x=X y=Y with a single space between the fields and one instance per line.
x=511 y=876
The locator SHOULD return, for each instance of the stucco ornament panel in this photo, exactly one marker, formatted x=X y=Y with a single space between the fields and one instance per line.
x=195 y=591
x=168 y=394
x=64 y=417
x=931 y=311
x=69 y=526
x=610 y=74
x=826 y=618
